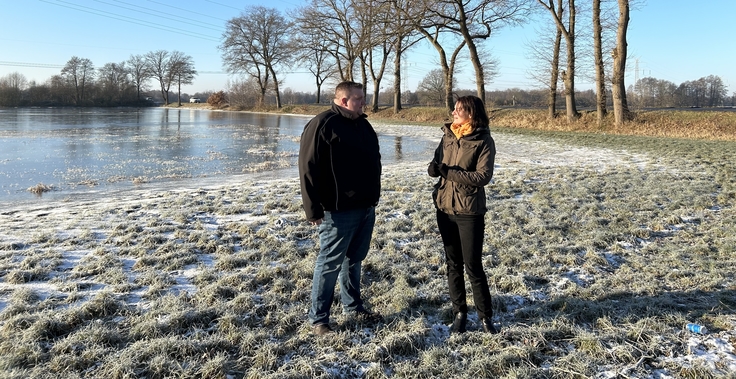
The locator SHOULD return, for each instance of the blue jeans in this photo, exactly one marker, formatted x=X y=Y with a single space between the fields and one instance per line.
x=344 y=239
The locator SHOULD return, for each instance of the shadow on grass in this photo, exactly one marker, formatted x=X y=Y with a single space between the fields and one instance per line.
x=628 y=308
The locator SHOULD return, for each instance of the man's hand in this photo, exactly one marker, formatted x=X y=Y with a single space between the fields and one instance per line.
x=316 y=222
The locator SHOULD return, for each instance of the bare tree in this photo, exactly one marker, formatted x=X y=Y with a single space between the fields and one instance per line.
x=15 y=80
x=183 y=72
x=554 y=77
x=139 y=73
x=11 y=89
x=546 y=52
x=434 y=27
x=489 y=63
x=373 y=23
x=383 y=53
x=79 y=72
x=620 y=106
x=432 y=88
x=243 y=91
x=568 y=32
x=716 y=91
x=313 y=53
x=257 y=43
x=600 y=76
x=159 y=66
x=377 y=24
x=337 y=20
x=404 y=36
x=475 y=20
x=448 y=67
x=114 y=81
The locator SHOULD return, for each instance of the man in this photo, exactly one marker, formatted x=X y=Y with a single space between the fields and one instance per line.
x=340 y=174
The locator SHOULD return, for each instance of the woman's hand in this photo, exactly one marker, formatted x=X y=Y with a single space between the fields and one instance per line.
x=442 y=169
x=433 y=169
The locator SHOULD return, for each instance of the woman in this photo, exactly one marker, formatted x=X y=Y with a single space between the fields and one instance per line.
x=464 y=162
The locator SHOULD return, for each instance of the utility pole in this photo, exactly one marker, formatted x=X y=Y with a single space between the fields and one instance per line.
x=637 y=87
x=405 y=77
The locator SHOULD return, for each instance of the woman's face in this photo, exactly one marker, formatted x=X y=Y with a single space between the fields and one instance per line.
x=460 y=115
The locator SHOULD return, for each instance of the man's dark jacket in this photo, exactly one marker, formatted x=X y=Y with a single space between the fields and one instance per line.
x=339 y=163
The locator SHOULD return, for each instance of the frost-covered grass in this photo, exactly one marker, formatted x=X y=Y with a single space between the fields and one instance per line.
x=599 y=249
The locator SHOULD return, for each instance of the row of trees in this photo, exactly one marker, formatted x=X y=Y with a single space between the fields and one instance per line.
x=647 y=93
x=80 y=83
x=365 y=40
x=705 y=92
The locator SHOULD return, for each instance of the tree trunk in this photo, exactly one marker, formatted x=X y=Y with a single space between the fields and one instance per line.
x=480 y=81
x=555 y=70
x=449 y=78
x=276 y=87
x=448 y=69
x=262 y=96
x=376 y=93
x=377 y=75
x=569 y=76
x=449 y=103
x=620 y=106
x=599 y=69
x=397 y=77
x=363 y=74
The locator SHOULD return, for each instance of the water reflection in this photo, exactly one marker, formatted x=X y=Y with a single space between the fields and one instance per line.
x=71 y=148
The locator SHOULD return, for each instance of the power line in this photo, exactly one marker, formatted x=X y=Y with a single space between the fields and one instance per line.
x=157 y=14
x=186 y=10
x=223 y=5
x=27 y=64
x=128 y=19
x=51 y=65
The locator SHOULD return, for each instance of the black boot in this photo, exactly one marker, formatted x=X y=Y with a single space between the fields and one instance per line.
x=459 y=323
x=488 y=325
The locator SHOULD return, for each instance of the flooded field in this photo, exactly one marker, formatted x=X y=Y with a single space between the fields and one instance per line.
x=89 y=150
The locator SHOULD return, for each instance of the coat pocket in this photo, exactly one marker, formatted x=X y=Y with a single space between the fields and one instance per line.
x=467 y=199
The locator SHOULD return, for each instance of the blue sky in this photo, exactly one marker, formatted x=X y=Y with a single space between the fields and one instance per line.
x=675 y=40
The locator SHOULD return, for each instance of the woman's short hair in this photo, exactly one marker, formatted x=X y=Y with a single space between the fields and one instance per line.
x=476 y=109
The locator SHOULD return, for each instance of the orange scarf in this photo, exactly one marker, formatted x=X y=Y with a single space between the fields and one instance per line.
x=461 y=130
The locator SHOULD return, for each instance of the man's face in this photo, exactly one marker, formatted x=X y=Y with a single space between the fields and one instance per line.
x=355 y=101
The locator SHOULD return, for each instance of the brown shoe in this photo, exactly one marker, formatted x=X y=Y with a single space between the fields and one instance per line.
x=368 y=317
x=322 y=329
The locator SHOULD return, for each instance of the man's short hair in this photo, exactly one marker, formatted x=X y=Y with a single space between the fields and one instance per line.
x=344 y=88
